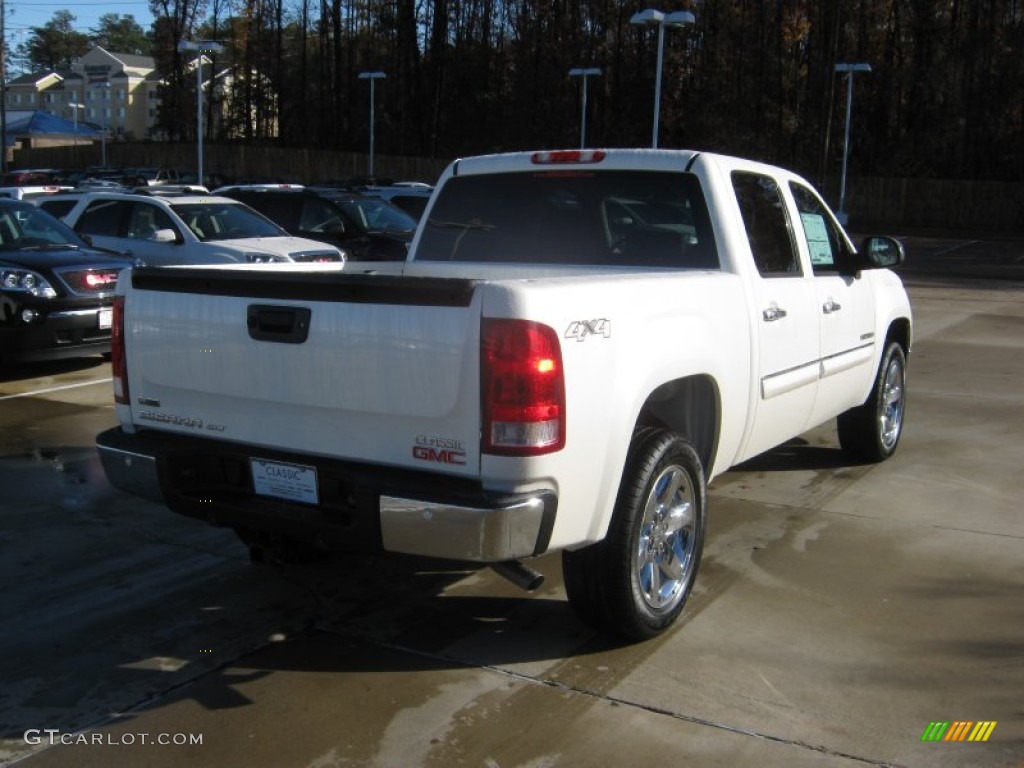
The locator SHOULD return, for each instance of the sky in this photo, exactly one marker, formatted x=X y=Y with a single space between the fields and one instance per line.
x=22 y=15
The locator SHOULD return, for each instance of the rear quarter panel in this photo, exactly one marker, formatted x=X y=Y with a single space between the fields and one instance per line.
x=647 y=328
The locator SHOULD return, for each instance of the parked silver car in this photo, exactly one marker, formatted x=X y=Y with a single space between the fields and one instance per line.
x=186 y=229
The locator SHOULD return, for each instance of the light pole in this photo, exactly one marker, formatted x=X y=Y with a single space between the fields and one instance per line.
x=849 y=69
x=651 y=17
x=200 y=47
x=104 y=90
x=584 y=72
x=372 y=77
x=75 y=106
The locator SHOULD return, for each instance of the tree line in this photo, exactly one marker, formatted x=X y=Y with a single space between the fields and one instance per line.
x=944 y=98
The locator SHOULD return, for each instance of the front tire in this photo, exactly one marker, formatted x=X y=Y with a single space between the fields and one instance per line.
x=636 y=581
x=872 y=431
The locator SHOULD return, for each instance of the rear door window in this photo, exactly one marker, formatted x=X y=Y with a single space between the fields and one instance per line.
x=281 y=208
x=103 y=217
x=58 y=208
x=767 y=224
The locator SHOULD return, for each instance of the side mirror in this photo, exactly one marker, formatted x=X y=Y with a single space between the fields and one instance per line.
x=164 y=236
x=882 y=252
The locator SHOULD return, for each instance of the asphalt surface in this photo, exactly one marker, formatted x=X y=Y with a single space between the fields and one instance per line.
x=840 y=609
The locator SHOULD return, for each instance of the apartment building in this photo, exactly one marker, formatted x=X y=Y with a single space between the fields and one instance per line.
x=112 y=91
x=119 y=92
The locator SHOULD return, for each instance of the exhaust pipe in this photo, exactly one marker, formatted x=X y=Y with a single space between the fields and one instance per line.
x=523 y=576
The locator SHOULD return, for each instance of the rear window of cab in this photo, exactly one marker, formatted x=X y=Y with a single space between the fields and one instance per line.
x=611 y=218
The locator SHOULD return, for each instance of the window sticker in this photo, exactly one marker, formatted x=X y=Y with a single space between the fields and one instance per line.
x=817 y=239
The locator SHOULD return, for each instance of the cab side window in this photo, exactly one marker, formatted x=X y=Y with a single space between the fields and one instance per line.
x=824 y=243
x=767 y=224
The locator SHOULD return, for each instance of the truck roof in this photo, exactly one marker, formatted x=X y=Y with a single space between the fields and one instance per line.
x=606 y=159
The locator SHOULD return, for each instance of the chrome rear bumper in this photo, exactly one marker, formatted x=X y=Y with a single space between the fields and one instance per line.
x=481 y=534
x=464 y=524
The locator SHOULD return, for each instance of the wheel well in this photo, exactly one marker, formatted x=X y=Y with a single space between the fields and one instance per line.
x=899 y=331
x=691 y=407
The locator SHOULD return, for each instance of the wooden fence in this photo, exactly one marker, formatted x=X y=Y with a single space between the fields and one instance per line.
x=979 y=206
x=944 y=204
x=237 y=162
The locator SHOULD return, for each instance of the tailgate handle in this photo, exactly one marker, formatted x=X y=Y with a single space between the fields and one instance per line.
x=285 y=325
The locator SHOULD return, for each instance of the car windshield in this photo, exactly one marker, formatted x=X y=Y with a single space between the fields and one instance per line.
x=378 y=216
x=25 y=226
x=226 y=221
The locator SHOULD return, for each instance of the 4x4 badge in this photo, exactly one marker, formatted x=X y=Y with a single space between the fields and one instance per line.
x=580 y=329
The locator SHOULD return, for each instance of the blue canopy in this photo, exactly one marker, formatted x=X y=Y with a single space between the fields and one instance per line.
x=24 y=123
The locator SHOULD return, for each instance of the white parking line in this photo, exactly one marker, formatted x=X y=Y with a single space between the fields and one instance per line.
x=56 y=389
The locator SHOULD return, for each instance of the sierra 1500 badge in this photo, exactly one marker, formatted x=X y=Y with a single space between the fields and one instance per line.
x=580 y=329
x=441 y=450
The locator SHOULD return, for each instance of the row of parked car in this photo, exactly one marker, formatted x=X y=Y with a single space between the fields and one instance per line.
x=409 y=196
x=128 y=177
x=61 y=253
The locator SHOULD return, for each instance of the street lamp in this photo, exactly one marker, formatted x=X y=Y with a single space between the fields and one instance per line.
x=105 y=89
x=75 y=106
x=651 y=17
x=584 y=72
x=849 y=69
x=372 y=77
x=200 y=47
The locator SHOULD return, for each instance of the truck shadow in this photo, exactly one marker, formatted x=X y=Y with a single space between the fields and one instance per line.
x=800 y=454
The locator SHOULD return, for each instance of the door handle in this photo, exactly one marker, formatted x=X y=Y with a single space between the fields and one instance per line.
x=773 y=313
x=830 y=306
x=284 y=325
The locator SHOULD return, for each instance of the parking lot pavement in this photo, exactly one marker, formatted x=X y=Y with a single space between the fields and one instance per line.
x=840 y=611
x=969 y=256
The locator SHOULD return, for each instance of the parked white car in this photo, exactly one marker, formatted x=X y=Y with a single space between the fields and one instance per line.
x=186 y=229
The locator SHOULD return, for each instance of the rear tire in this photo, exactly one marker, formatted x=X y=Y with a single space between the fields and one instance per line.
x=636 y=581
x=872 y=430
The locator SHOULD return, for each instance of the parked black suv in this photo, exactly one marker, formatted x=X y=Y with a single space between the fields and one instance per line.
x=369 y=229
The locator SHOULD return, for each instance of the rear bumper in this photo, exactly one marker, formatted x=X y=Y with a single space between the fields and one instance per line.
x=362 y=508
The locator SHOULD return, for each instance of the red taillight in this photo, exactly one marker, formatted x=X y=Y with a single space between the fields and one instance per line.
x=568 y=156
x=522 y=388
x=118 y=362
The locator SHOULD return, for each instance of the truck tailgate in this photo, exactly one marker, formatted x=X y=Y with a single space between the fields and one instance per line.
x=375 y=367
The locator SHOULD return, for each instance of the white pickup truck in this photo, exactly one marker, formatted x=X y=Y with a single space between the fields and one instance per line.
x=577 y=344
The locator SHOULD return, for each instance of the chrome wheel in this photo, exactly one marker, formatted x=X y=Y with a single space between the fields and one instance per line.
x=636 y=580
x=890 y=414
x=872 y=431
x=667 y=542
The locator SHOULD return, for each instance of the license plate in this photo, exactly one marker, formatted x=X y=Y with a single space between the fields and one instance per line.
x=106 y=317
x=294 y=482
